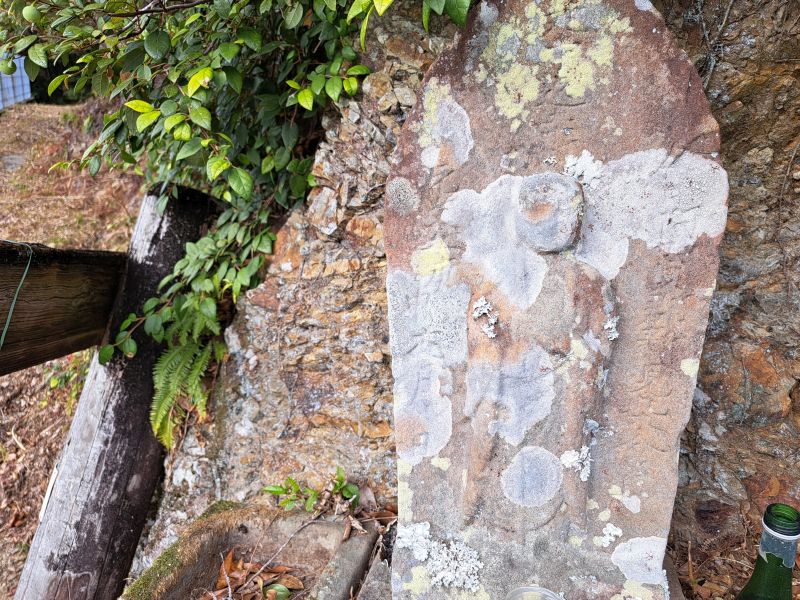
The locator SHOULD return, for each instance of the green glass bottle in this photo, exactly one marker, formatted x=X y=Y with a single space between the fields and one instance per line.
x=772 y=576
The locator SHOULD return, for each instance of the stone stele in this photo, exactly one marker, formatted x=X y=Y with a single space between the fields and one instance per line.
x=552 y=225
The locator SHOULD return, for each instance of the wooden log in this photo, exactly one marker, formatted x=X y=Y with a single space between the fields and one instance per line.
x=63 y=305
x=102 y=486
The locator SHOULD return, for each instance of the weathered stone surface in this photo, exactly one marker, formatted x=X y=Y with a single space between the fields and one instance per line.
x=551 y=230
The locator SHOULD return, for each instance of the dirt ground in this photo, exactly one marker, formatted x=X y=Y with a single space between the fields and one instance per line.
x=66 y=209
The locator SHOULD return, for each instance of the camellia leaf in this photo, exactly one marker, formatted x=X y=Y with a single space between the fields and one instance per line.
x=229 y=50
x=294 y=16
x=183 y=132
x=358 y=70
x=24 y=42
x=146 y=119
x=333 y=87
x=200 y=116
x=234 y=79
x=251 y=38
x=363 y=34
x=38 y=55
x=190 y=148
x=57 y=81
x=140 y=106
x=216 y=166
x=357 y=7
x=457 y=10
x=157 y=44
x=241 y=182
x=173 y=120
x=200 y=79
x=382 y=5
x=305 y=98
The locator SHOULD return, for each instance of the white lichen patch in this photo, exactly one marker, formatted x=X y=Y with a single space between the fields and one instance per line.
x=521 y=393
x=415 y=537
x=667 y=202
x=533 y=478
x=427 y=316
x=450 y=565
x=610 y=326
x=422 y=407
x=641 y=559
x=402 y=196
x=579 y=461
x=610 y=533
x=630 y=501
x=482 y=308
x=507 y=225
x=444 y=123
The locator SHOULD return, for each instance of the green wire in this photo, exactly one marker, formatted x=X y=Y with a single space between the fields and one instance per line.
x=16 y=294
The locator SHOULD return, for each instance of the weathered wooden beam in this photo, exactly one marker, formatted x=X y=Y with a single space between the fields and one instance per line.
x=102 y=486
x=63 y=305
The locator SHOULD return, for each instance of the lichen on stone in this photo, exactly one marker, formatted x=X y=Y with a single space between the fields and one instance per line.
x=579 y=461
x=450 y=564
x=533 y=478
x=444 y=123
x=520 y=394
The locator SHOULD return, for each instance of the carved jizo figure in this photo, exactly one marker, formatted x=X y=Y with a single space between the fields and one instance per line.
x=552 y=228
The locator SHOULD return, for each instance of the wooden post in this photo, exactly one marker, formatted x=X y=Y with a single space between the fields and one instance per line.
x=101 y=489
x=64 y=302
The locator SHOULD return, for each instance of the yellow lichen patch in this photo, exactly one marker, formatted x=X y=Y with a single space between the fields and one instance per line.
x=615 y=490
x=576 y=541
x=634 y=591
x=603 y=52
x=615 y=25
x=420 y=581
x=431 y=259
x=403 y=468
x=578 y=349
x=481 y=594
x=577 y=72
x=404 y=497
x=441 y=462
x=604 y=515
x=434 y=93
x=690 y=366
x=547 y=55
x=591 y=504
x=515 y=88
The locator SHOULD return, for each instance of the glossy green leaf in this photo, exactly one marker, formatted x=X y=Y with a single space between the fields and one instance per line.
x=241 y=182
x=157 y=44
x=333 y=87
x=305 y=98
x=172 y=121
x=229 y=50
x=200 y=79
x=146 y=119
x=38 y=55
x=200 y=116
x=140 y=106
x=216 y=166
x=190 y=148
x=57 y=81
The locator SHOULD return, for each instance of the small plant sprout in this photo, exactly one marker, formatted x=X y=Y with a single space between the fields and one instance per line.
x=339 y=495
